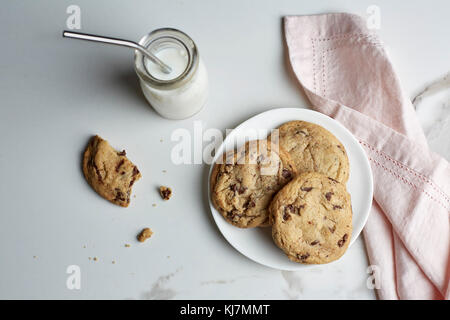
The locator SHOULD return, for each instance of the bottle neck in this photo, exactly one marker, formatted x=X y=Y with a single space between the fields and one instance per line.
x=174 y=48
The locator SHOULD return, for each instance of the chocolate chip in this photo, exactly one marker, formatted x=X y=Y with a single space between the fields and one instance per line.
x=303 y=257
x=165 y=192
x=331 y=179
x=132 y=182
x=135 y=171
x=260 y=159
x=119 y=165
x=233 y=187
x=286 y=216
x=307 y=189
x=336 y=207
x=314 y=242
x=333 y=229
x=122 y=153
x=242 y=190
x=249 y=204
x=342 y=241
x=119 y=195
x=328 y=195
x=302 y=132
x=233 y=214
x=287 y=174
x=289 y=208
x=99 y=176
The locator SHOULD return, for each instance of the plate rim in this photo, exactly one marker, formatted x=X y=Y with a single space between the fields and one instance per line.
x=355 y=235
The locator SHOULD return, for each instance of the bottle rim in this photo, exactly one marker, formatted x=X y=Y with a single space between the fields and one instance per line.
x=168 y=35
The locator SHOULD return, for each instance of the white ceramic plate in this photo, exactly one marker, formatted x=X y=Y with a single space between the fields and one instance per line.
x=256 y=243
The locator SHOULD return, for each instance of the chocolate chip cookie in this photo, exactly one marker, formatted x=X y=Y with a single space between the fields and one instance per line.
x=312 y=219
x=109 y=172
x=243 y=185
x=314 y=149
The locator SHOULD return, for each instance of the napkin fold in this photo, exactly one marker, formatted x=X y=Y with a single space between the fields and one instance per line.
x=346 y=74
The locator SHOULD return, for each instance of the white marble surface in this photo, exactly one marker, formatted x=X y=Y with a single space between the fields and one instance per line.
x=55 y=93
x=432 y=103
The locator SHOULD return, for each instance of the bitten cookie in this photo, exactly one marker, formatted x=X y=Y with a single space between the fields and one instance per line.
x=314 y=149
x=244 y=184
x=312 y=219
x=109 y=172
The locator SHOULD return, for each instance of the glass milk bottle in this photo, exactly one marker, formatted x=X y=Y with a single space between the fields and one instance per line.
x=182 y=92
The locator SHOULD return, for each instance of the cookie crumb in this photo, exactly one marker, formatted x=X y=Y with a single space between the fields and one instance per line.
x=95 y=259
x=34 y=257
x=164 y=171
x=127 y=245
x=154 y=205
x=113 y=262
x=165 y=192
x=89 y=258
x=144 y=235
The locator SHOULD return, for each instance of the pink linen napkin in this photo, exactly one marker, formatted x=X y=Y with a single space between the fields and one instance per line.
x=345 y=72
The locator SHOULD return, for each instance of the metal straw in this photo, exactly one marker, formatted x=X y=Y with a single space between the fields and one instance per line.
x=120 y=42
